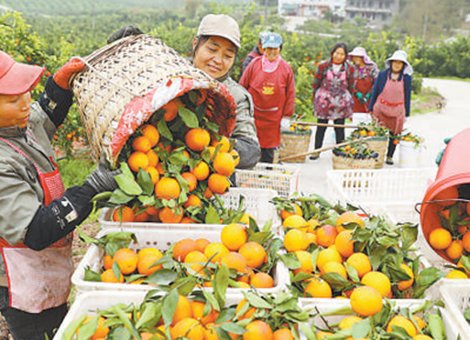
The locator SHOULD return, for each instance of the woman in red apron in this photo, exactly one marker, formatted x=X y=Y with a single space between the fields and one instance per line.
x=333 y=91
x=37 y=214
x=367 y=72
x=270 y=81
x=391 y=97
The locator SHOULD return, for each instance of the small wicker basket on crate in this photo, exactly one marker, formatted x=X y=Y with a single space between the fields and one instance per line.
x=342 y=162
x=379 y=145
x=294 y=142
x=125 y=82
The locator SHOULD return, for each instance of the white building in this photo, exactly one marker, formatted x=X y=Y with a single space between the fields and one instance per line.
x=311 y=8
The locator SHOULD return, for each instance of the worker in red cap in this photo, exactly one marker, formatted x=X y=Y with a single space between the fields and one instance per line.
x=37 y=216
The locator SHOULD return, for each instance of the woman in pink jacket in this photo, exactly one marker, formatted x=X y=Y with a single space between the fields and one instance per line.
x=270 y=81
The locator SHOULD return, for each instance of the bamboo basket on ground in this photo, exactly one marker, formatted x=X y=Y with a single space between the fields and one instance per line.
x=293 y=142
x=125 y=82
x=379 y=145
x=341 y=162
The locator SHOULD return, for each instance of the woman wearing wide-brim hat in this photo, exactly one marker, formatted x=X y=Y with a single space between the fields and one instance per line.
x=367 y=72
x=391 y=97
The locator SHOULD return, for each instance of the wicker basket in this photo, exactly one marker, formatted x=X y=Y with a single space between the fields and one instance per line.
x=293 y=142
x=125 y=82
x=341 y=162
x=379 y=145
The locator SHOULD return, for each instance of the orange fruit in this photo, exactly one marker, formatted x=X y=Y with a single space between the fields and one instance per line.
x=248 y=314
x=379 y=281
x=405 y=323
x=208 y=193
x=101 y=331
x=196 y=139
x=153 y=158
x=322 y=335
x=262 y=280
x=326 y=235
x=191 y=179
x=167 y=215
x=294 y=222
x=198 y=312
x=328 y=255
x=218 y=184
x=189 y=328
x=420 y=322
x=216 y=250
x=193 y=201
x=285 y=214
x=366 y=301
x=142 y=143
x=440 y=238
x=360 y=262
x=210 y=333
x=254 y=254
x=202 y=243
x=224 y=164
x=123 y=214
x=167 y=188
x=224 y=142
x=344 y=243
x=201 y=171
x=348 y=217
x=349 y=321
x=305 y=259
x=318 y=288
x=108 y=262
x=334 y=267
x=154 y=175
x=183 y=248
x=108 y=276
x=187 y=220
x=456 y=274
x=183 y=310
x=283 y=334
x=233 y=236
x=137 y=160
x=235 y=261
x=146 y=261
x=258 y=330
x=197 y=259
x=422 y=337
x=403 y=285
x=171 y=111
x=127 y=260
x=151 y=133
x=295 y=240
x=236 y=156
x=466 y=241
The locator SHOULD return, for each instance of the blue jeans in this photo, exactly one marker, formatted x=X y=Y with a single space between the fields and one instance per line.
x=30 y=326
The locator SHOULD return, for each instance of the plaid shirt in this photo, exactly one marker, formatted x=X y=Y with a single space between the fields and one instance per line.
x=325 y=66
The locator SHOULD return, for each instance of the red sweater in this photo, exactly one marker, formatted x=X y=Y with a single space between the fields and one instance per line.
x=273 y=96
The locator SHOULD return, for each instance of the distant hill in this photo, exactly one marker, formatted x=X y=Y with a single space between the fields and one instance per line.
x=64 y=7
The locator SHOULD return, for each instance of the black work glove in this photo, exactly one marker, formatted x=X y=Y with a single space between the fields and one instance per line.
x=123 y=32
x=102 y=179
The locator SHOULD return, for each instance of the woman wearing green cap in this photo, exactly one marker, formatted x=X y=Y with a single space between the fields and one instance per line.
x=38 y=214
x=214 y=51
x=270 y=81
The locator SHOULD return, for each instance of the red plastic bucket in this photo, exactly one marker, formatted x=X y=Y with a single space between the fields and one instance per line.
x=454 y=171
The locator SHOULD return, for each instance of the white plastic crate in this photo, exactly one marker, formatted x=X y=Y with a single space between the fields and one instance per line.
x=282 y=178
x=255 y=203
x=457 y=299
x=398 y=190
x=162 y=238
x=333 y=304
x=92 y=302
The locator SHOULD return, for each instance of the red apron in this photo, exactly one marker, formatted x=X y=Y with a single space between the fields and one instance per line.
x=39 y=280
x=363 y=86
x=389 y=109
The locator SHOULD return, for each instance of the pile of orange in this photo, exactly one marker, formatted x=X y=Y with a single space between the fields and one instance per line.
x=186 y=168
x=334 y=254
x=452 y=238
x=246 y=260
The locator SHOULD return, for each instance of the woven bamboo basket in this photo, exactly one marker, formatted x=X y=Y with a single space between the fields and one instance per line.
x=293 y=142
x=342 y=162
x=379 y=145
x=125 y=82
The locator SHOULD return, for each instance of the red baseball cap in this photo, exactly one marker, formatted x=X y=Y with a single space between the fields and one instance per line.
x=17 y=78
